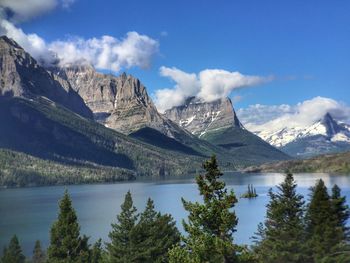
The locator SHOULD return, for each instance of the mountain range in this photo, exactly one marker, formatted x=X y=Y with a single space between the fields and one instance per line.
x=78 y=116
x=324 y=136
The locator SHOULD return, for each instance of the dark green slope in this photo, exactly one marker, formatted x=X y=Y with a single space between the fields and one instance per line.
x=47 y=130
x=28 y=130
x=158 y=139
x=244 y=147
x=19 y=169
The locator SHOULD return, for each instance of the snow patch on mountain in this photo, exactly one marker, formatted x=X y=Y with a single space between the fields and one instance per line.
x=328 y=128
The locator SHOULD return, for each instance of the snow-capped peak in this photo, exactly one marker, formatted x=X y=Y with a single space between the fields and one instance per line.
x=326 y=127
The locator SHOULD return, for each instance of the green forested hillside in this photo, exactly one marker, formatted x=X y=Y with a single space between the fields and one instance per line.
x=245 y=147
x=46 y=130
x=330 y=163
x=19 y=169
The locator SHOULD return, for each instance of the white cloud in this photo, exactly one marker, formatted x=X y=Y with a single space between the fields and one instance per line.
x=22 y=10
x=107 y=52
x=32 y=43
x=218 y=83
x=259 y=118
x=208 y=85
x=186 y=85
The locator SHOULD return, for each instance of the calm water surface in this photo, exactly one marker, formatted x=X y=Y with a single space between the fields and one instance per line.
x=29 y=212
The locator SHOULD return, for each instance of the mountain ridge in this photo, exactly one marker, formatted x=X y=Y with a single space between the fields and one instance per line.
x=325 y=135
x=122 y=127
x=217 y=123
x=22 y=76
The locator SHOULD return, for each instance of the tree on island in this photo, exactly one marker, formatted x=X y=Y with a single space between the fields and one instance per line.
x=66 y=244
x=13 y=253
x=281 y=238
x=251 y=192
x=38 y=254
x=211 y=224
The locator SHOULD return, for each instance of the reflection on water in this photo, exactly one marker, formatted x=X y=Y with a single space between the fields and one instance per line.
x=29 y=212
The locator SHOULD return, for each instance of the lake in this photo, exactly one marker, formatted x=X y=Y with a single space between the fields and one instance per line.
x=29 y=212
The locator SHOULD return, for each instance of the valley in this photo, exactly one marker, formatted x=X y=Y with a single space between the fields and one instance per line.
x=77 y=117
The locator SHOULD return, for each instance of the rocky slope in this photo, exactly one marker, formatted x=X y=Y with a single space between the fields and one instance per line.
x=122 y=103
x=217 y=123
x=324 y=136
x=22 y=76
x=199 y=117
x=151 y=143
x=118 y=102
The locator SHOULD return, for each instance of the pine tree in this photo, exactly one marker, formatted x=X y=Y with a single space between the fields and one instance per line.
x=280 y=238
x=341 y=211
x=323 y=232
x=38 y=253
x=155 y=234
x=96 y=252
x=122 y=247
x=13 y=253
x=66 y=245
x=211 y=224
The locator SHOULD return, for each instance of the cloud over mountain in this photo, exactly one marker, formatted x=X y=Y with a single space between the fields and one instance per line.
x=208 y=85
x=22 y=10
x=106 y=52
x=275 y=117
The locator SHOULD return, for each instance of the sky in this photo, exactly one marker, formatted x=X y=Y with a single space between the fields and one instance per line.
x=263 y=52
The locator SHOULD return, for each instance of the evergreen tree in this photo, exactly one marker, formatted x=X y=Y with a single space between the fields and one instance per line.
x=341 y=211
x=322 y=230
x=38 y=253
x=13 y=253
x=211 y=224
x=123 y=242
x=155 y=234
x=66 y=245
x=281 y=237
x=96 y=252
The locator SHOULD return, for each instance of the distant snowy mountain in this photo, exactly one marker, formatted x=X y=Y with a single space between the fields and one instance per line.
x=324 y=136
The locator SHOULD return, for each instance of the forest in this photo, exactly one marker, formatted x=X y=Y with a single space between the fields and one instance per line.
x=293 y=230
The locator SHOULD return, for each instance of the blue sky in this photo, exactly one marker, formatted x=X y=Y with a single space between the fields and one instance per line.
x=303 y=44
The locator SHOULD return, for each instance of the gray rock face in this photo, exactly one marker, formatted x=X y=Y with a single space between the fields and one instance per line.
x=120 y=103
x=200 y=117
x=22 y=76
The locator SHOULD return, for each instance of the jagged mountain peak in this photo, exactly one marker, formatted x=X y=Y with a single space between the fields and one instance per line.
x=200 y=117
x=323 y=136
x=119 y=102
x=332 y=127
x=22 y=76
x=6 y=42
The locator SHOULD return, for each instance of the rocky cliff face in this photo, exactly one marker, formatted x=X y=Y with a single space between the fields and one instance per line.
x=200 y=117
x=120 y=103
x=22 y=76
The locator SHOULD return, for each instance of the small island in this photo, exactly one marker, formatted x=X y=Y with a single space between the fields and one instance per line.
x=251 y=193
